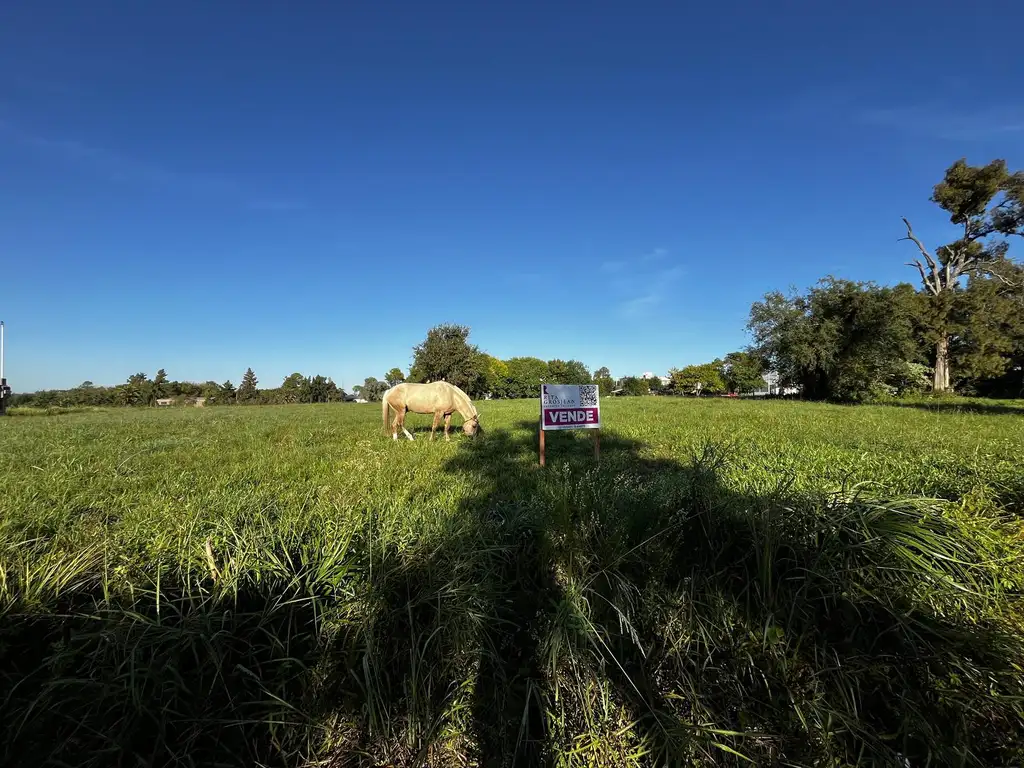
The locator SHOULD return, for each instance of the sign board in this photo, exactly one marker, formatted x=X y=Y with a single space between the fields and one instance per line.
x=564 y=406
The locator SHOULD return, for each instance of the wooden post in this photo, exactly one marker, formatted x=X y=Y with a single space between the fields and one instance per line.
x=597 y=444
x=540 y=424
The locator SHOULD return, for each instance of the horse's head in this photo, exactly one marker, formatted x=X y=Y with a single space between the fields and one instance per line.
x=472 y=426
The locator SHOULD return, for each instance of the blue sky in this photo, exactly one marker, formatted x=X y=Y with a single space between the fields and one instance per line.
x=209 y=186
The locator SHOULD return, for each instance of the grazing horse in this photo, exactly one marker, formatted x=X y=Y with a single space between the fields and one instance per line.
x=439 y=398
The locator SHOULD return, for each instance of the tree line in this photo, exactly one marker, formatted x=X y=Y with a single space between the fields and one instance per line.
x=140 y=390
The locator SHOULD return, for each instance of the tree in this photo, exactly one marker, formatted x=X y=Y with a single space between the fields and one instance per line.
x=160 y=385
x=634 y=386
x=495 y=375
x=605 y=382
x=989 y=342
x=226 y=394
x=703 y=379
x=571 y=372
x=578 y=373
x=247 y=392
x=841 y=341
x=293 y=388
x=968 y=194
x=525 y=375
x=319 y=389
x=128 y=394
x=394 y=377
x=372 y=389
x=447 y=355
x=654 y=385
x=743 y=372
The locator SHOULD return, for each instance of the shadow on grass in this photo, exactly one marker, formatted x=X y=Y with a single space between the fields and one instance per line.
x=640 y=611
x=180 y=681
x=977 y=407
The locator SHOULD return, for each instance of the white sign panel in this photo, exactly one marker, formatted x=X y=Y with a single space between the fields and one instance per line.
x=569 y=406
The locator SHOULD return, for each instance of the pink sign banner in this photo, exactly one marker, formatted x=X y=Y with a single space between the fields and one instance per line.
x=570 y=406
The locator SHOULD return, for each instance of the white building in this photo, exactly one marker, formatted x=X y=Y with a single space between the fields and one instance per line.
x=647 y=376
x=771 y=386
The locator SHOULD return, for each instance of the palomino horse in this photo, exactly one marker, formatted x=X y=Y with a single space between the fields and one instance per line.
x=439 y=398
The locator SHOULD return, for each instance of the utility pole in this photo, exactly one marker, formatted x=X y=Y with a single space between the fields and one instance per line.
x=5 y=391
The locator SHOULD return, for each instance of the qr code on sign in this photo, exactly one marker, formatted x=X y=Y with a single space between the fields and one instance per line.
x=588 y=396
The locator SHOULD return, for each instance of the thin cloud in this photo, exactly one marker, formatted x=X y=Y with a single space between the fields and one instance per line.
x=276 y=205
x=120 y=167
x=657 y=287
x=635 y=307
x=938 y=121
x=658 y=254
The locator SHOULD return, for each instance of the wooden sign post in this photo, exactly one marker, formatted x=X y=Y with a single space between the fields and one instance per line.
x=569 y=406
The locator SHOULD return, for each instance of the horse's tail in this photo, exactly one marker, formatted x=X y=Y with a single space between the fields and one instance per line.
x=384 y=409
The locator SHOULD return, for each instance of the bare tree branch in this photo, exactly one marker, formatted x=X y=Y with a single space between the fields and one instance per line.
x=924 y=276
x=920 y=246
x=933 y=282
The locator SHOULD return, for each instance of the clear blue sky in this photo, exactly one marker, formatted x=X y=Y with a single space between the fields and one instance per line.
x=207 y=186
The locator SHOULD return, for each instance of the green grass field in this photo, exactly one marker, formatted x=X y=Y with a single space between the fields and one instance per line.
x=737 y=582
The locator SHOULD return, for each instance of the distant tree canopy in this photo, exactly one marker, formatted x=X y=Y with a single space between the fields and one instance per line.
x=634 y=386
x=704 y=379
x=843 y=340
x=371 y=389
x=743 y=372
x=447 y=355
x=247 y=390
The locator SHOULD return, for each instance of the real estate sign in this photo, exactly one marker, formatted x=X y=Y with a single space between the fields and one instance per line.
x=569 y=406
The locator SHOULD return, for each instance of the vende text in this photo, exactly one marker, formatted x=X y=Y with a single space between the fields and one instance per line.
x=570 y=416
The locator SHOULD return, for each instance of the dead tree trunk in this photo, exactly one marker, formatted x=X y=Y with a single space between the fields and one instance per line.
x=940 y=381
x=938 y=278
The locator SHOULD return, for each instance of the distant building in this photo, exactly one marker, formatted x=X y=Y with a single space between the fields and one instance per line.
x=165 y=401
x=771 y=387
x=665 y=380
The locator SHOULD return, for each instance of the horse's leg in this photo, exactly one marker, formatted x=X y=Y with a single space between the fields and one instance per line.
x=447 y=424
x=437 y=420
x=404 y=430
x=394 y=425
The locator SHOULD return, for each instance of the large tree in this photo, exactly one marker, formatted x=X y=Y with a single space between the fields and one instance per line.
x=292 y=388
x=743 y=372
x=161 y=387
x=447 y=355
x=603 y=379
x=525 y=375
x=394 y=377
x=702 y=379
x=571 y=372
x=372 y=390
x=987 y=351
x=495 y=375
x=843 y=340
x=247 y=392
x=982 y=201
x=634 y=386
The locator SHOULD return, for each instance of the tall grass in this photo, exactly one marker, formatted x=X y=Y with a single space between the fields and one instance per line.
x=735 y=583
